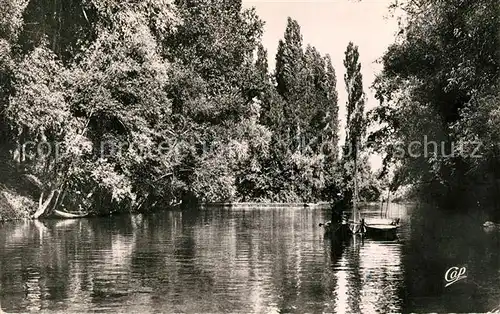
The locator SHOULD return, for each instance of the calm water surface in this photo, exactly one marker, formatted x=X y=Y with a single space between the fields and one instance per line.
x=246 y=260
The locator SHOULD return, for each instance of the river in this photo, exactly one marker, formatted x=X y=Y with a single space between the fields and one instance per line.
x=259 y=260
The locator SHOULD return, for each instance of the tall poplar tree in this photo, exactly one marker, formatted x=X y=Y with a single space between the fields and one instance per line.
x=261 y=64
x=330 y=135
x=319 y=109
x=333 y=108
x=289 y=80
x=355 y=120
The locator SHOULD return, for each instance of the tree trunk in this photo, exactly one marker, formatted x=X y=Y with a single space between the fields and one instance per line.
x=43 y=205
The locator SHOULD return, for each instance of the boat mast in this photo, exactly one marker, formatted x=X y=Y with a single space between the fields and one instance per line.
x=355 y=196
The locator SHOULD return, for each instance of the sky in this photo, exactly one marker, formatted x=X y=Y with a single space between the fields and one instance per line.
x=329 y=25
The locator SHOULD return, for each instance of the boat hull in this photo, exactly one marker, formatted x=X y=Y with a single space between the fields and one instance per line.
x=66 y=215
x=337 y=230
x=381 y=231
x=380 y=221
x=376 y=228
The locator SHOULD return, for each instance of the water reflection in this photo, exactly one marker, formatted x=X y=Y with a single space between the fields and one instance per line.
x=228 y=260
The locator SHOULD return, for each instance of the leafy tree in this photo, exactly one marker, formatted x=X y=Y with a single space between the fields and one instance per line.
x=355 y=119
x=307 y=125
x=214 y=91
x=105 y=96
x=120 y=86
x=289 y=77
x=436 y=82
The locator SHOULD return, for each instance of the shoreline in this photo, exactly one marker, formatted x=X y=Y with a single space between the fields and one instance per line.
x=295 y=205
x=14 y=206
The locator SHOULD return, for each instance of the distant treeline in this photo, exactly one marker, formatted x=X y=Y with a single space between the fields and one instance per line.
x=126 y=105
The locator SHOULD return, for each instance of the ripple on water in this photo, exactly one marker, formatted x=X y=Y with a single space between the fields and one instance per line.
x=220 y=260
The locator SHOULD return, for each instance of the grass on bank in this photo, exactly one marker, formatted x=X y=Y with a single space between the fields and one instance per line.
x=14 y=206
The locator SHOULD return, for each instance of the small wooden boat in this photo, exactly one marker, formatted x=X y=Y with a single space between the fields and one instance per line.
x=67 y=215
x=381 y=227
x=380 y=221
x=338 y=227
x=338 y=230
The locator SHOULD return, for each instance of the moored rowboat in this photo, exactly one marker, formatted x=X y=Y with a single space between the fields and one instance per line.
x=381 y=227
x=379 y=221
x=339 y=230
x=66 y=215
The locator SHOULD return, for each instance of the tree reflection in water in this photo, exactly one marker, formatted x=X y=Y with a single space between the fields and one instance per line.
x=239 y=260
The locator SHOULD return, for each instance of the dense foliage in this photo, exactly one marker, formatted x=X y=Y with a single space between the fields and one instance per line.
x=440 y=84
x=355 y=122
x=124 y=105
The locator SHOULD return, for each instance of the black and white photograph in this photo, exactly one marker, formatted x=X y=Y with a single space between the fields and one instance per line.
x=250 y=156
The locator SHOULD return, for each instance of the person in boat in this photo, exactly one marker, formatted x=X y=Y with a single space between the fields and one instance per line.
x=338 y=213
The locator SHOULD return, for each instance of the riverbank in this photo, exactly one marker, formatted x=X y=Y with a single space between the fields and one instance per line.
x=263 y=205
x=277 y=205
x=17 y=197
x=14 y=206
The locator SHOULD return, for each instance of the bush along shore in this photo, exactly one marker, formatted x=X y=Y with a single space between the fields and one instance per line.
x=17 y=196
x=14 y=206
